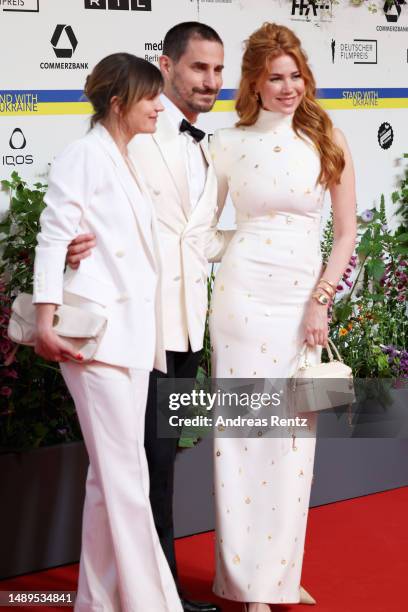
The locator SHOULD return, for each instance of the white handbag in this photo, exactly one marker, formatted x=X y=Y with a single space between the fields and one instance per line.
x=322 y=386
x=82 y=329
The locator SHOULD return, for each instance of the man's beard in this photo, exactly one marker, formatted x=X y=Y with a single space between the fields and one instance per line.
x=196 y=107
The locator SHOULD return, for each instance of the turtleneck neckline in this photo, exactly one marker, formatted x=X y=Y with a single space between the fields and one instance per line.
x=270 y=120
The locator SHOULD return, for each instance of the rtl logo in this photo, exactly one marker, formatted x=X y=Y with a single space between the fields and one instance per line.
x=119 y=5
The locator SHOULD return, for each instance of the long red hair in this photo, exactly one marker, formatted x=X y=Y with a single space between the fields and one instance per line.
x=310 y=119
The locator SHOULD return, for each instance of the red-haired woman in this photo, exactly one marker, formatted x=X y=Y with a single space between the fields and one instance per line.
x=270 y=297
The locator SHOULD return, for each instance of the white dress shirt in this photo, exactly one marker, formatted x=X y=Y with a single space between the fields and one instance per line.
x=195 y=162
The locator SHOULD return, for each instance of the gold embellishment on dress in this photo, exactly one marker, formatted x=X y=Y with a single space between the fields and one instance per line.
x=240 y=471
x=289 y=219
x=245 y=448
x=269 y=537
x=280 y=583
x=247 y=500
x=254 y=373
x=227 y=346
x=212 y=155
x=307 y=192
x=221 y=541
x=283 y=562
x=301 y=473
x=308 y=232
x=249 y=295
x=245 y=183
x=296 y=282
x=221 y=428
x=292 y=251
x=246 y=319
x=263 y=348
x=211 y=310
x=230 y=316
x=248 y=529
x=277 y=149
x=249 y=586
x=292 y=190
x=257 y=566
x=272 y=462
x=269 y=275
x=231 y=370
x=236 y=560
x=218 y=453
x=224 y=148
x=264 y=482
x=228 y=511
x=293 y=565
x=256 y=166
x=296 y=539
x=237 y=194
x=299 y=499
x=268 y=241
x=243 y=156
x=222 y=485
x=275 y=182
x=241 y=240
x=275 y=361
x=222 y=288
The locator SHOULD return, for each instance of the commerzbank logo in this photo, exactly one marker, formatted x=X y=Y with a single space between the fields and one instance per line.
x=64 y=43
x=392 y=10
x=20 y=6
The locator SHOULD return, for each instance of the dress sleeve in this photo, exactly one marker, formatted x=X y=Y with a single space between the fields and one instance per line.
x=218 y=240
x=71 y=184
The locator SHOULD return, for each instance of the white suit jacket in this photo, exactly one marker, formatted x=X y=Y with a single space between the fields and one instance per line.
x=91 y=189
x=188 y=238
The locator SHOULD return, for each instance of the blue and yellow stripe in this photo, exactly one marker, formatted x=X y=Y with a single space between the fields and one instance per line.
x=74 y=102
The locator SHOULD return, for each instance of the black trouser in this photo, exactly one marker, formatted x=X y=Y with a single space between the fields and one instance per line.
x=161 y=452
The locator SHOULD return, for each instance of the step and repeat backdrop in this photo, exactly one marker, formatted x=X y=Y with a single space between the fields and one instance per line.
x=358 y=51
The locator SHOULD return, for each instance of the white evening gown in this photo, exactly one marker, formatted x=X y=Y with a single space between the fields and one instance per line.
x=267 y=274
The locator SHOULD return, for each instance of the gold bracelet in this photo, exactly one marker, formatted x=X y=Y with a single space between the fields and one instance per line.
x=332 y=285
x=321 y=298
x=330 y=292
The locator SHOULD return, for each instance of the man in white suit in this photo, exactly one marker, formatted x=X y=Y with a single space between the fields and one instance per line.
x=181 y=181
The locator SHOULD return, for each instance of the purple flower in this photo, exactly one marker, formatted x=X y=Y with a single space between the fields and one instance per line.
x=367 y=216
x=384 y=227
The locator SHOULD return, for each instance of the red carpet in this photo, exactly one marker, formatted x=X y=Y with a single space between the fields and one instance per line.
x=356 y=559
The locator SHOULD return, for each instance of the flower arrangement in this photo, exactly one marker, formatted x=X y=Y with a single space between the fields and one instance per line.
x=369 y=320
x=35 y=406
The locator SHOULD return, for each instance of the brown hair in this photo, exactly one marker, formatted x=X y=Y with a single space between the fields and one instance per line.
x=267 y=43
x=177 y=38
x=124 y=75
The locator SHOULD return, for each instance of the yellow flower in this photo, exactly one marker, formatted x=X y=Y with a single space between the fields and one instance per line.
x=350 y=326
x=343 y=331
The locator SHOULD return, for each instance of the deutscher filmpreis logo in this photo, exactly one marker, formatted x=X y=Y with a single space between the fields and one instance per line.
x=17 y=155
x=20 y=6
x=64 y=43
x=119 y=5
x=385 y=135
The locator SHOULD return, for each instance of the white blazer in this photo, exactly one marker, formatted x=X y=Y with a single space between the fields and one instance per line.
x=91 y=189
x=188 y=238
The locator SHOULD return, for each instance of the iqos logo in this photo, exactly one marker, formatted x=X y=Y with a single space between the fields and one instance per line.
x=17 y=142
x=17 y=139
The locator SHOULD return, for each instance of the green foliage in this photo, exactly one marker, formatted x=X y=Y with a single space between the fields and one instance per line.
x=35 y=407
x=369 y=319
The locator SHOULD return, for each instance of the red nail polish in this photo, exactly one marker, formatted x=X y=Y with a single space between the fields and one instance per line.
x=79 y=356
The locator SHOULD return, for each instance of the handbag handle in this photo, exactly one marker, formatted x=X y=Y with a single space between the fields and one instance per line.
x=329 y=347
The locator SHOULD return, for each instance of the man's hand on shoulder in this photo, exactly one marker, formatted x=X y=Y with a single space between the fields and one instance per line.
x=80 y=248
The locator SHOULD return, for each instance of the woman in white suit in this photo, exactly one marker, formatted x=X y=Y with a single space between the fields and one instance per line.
x=93 y=187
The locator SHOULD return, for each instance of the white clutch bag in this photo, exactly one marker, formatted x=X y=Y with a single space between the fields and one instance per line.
x=322 y=386
x=82 y=329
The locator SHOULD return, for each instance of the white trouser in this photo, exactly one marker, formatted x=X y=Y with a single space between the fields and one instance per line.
x=123 y=567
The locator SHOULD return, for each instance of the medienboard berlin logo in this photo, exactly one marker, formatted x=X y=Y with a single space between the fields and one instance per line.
x=17 y=157
x=20 y=6
x=119 y=5
x=385 y=135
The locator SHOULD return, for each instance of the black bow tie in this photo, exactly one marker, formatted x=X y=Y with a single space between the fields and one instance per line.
x=197 y=134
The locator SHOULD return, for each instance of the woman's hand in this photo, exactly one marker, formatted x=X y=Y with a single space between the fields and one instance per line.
x=51 y=347
x=48 y=344
x=316 y=324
